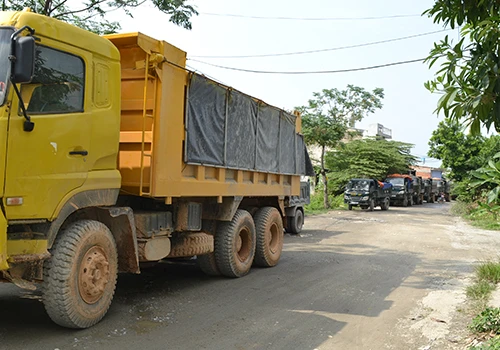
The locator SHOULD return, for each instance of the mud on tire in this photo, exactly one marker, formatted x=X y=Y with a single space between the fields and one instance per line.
x=235 y=245
x=269 y=232
x=80 y=277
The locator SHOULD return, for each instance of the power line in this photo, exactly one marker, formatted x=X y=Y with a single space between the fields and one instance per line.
x=330 y=49
x=311 y=72
x=308 y=18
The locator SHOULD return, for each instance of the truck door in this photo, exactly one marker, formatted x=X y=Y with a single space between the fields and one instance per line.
x=46 y=164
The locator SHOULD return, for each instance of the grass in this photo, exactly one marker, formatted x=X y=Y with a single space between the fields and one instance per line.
x=316 y=206
x=487 y=321
x=480 y=291
x=476 y=217
x=488 y=271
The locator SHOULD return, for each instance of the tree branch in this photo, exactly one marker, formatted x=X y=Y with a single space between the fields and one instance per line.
x=57 y=6
x=82 y=10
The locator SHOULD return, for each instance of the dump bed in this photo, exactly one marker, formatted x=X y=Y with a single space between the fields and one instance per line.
x=183 y=135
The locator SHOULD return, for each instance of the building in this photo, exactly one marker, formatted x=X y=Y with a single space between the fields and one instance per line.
x=378 y=130
x=428 y=172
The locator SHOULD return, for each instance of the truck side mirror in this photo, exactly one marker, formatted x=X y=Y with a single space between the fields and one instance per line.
x=24 y=60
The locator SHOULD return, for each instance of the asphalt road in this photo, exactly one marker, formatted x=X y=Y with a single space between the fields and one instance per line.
x=351 y=280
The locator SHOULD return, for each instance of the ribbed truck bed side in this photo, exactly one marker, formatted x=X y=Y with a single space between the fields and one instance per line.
x=152 y=157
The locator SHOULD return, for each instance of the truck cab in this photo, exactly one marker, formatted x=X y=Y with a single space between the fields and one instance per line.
x=402 y=191
x=367 y=194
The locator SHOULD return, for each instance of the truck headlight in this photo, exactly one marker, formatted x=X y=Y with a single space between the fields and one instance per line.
x=346 y=196
x=401 y=192
x=365 y=198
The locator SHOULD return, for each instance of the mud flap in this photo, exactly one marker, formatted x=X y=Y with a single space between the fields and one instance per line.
x=3 y=243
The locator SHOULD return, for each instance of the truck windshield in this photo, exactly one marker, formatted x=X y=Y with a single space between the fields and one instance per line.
x=396 y=181
x=361 y=185
x=5 y=34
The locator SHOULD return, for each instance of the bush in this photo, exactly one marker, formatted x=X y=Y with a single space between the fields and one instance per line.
x=487 y=321
x=316 y=204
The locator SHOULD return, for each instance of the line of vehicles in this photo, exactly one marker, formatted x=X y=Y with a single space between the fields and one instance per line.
x=397 y=189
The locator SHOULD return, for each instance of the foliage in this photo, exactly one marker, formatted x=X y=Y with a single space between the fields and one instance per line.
x=489 y=175
x=327 y=117
x=487 y=321
x=491 y=344
x=457 y=151
x=316 y=204
x=90 y=15
x=367 y=158
x=469 y=76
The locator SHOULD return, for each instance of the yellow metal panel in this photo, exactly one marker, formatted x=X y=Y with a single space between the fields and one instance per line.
x=26 y=247
x=171 y=177
x=3 y=243
x=63 y=32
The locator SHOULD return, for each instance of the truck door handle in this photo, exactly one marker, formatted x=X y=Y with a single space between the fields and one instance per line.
x=79 y=153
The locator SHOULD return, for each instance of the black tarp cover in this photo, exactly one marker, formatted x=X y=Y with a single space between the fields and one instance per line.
x=229 y=129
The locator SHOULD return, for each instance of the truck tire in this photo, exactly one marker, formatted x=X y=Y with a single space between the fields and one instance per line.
x=349 y=206
x=295 y=223
x=207 y=264
x=410 y=202
x=191 y=244
x=269 y=233
x=79 y=279
x=405 y=202
x=372 y=205
x=385 y=204
x=235 y=245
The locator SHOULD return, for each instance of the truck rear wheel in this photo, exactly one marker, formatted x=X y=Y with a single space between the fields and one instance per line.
x=295 y=223
x=235 y=245
x=80 y=277
x=207 y=264
x=269 y=232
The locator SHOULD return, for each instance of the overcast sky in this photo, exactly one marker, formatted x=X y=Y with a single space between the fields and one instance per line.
x=408 y=107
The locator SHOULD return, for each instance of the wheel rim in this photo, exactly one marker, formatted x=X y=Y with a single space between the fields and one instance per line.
x=243 y=247
x=93 y=275
x=272 y=238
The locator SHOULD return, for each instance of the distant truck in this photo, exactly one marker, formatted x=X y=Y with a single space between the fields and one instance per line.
x=417 y=184
x=427 y=190
x=402 y=190
x=115 y=156
x=368 y=194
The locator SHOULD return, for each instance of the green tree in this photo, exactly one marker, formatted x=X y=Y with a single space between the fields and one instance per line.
x=91 y=14
x=458 y=151
x=328 y=116
x=469 y=76
x=367 y=158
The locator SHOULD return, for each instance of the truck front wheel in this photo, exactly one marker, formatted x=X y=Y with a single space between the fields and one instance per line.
x=269 y=231
x=80 y=277
x=235 y=245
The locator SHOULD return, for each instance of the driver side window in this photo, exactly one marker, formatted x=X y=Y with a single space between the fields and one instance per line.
x=58 y=84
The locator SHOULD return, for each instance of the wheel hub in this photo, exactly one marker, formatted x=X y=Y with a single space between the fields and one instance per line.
x=93 y=275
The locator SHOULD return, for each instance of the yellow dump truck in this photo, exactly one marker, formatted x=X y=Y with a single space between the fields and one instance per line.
x=113 y=154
